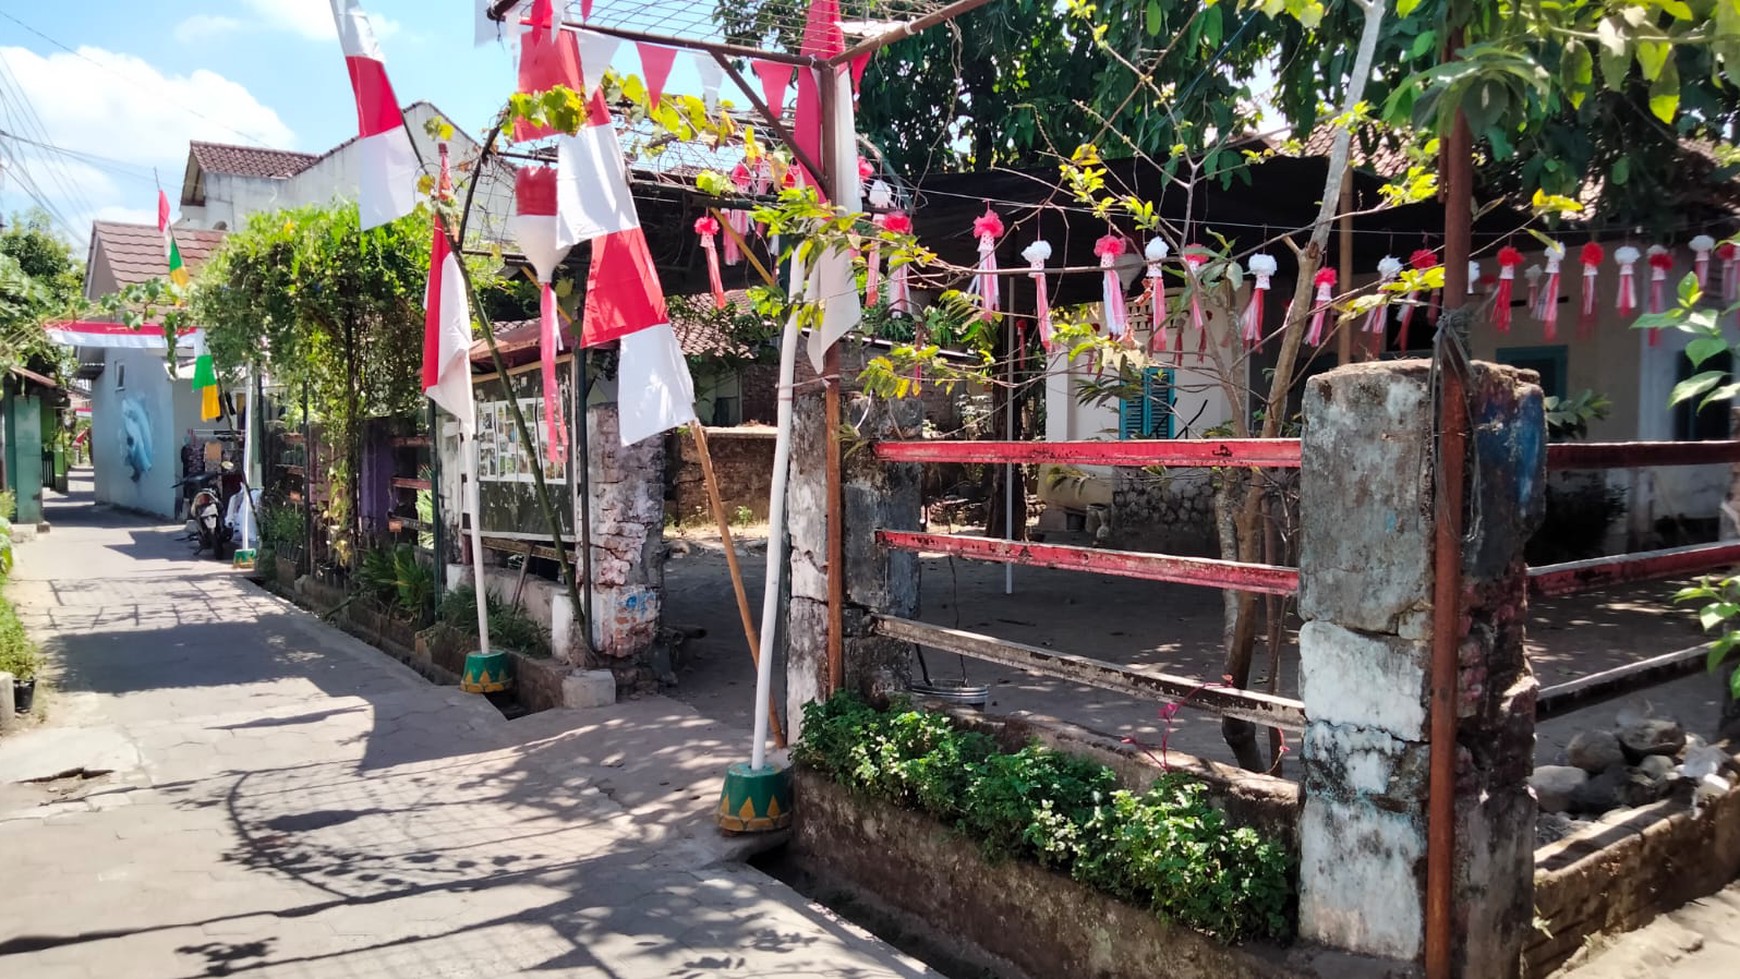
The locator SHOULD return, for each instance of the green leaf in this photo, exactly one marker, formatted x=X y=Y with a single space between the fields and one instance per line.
x=1695 y=386
x=1424 y=43
x=1406 y=7
x=1153 y=19
x=1576 y=72
x=1652 y=56
x=1664 y=93
x=1726 y=392
x=1720 y=648
x=1703 y=348
x=1615 y=55
x=1620 y=172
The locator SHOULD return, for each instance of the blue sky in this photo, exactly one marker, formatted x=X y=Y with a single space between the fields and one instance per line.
x=148 y=76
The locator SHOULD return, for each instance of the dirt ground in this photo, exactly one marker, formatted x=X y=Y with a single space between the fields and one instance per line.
x=1171 y=628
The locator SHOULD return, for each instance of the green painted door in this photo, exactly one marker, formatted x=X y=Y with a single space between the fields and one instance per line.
x=24 y=455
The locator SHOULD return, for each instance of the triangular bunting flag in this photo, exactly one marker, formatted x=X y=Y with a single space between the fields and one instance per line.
x=596 y=52
x=775 y=79
x=858 y=65
x=655 y=64
x=712 y=77
x=546 y=61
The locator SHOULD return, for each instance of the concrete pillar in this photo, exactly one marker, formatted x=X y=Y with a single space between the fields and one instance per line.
x=875 y=496
x=1366 y=648
x=7 y=707
x=628 y=515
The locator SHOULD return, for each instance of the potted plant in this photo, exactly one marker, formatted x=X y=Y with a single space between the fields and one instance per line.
x=18 y=658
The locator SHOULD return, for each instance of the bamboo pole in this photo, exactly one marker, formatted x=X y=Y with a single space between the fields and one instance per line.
x=743 y=611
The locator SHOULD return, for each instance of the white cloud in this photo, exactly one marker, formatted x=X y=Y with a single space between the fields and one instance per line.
x=205 y=27
x=119 y=107
x=311 y=19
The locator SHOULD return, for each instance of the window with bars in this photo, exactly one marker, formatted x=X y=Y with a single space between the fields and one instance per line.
x=1149 y=414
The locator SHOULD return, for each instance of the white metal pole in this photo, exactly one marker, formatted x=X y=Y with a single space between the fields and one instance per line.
x=249 y=480
x=474 y=504
x=776 y=523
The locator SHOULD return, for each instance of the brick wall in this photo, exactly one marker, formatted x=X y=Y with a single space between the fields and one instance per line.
x=742 y=462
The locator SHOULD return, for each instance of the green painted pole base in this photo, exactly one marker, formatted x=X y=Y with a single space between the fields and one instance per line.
x=244 y=559
x=755 y=800
x=487 y=672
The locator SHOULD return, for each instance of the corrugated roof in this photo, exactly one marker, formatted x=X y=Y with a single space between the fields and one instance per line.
x=250 y=161
x=134 y=252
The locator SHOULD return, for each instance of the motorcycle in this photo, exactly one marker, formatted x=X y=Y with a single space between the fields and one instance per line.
x=213 y=508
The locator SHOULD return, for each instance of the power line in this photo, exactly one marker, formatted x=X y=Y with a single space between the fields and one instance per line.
x=10 y=96
x=120 y=168
x=257 y=141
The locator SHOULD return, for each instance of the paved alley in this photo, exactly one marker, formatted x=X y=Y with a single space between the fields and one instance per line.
x=225 y=785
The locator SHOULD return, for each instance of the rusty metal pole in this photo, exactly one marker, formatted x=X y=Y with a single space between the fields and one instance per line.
x=1457 y=168
x=828 y=92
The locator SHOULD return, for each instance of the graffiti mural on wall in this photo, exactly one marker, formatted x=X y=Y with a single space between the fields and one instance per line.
x=136 y=436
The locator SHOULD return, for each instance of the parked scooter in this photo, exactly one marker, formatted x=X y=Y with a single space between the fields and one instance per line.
x=214 y=508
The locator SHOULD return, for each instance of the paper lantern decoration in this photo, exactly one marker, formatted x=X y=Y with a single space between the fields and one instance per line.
x=1324 y=280
x=1591 y=257
x=1508 y=260
x=1251 y=327
x=1156 y=253
x=708 y=229
x=1626 y=300
x=1701 y=246
x=1117 y=318
x=1389 y=269
x=1037 y=254
x=1549 y=308
x=988 y=227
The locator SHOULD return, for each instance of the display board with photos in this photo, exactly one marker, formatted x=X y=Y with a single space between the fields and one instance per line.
x=507 y=489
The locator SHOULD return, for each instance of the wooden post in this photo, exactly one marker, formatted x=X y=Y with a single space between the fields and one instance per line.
x=718 y=505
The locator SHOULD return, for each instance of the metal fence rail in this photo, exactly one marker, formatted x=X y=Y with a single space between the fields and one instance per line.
x=1638 y=455
x=1575 y=577
x=1272 y=453
x=1258 y=708
x=1587 y=691
x=1265 y=579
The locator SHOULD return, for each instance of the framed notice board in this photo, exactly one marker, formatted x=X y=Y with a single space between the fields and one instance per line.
x=507 y=491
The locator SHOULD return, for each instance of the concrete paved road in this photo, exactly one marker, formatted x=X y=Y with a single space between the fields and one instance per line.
x=278 y=799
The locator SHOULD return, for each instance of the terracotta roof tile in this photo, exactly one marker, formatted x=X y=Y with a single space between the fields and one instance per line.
x=249 y=161
x=1384 y=159
x=135 y=251
x=698 y=337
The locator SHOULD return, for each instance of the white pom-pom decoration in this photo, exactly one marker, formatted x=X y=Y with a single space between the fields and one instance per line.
x=881 y=195
x=1473 y=277
x=1157 y=250
x=1702 y=243
x=1262 y=265
x=1555 y=253
x=1655 y=250
x=1037 y=253
x=1628 y=254
x=1389 y=267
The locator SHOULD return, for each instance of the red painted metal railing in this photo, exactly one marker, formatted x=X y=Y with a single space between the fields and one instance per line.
x=1580 y=576
x=1273 y=453
x=1636 y=455
x=1265 y=579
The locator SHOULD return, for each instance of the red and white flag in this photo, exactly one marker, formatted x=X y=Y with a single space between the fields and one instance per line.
x=388 y=169
x=447 y=333
x=624 y=301
x=837 y=288
x=548 y=57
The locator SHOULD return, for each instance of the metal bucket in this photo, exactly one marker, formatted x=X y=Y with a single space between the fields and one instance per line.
x=958 y=692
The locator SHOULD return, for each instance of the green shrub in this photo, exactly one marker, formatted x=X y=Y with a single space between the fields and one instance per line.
x=395 y=578
x=17 y=652
x=510 y=627
x=1165 y=849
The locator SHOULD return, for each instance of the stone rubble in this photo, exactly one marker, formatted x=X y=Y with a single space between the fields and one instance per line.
x=1638 y=761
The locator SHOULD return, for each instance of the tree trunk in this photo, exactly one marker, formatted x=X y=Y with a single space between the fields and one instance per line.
x=1241 y=735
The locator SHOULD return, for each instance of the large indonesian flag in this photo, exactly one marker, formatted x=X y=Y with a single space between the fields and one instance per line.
x=447 y=334
x=624 y=301
x=389 y=162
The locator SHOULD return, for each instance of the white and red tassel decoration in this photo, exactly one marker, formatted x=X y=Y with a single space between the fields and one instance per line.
x=1549 y=307
x=535 y=229
x=1626 y=300
x=1325 y=282
x=899 y=291
x=1421 y=260
x=1389 y=269
x=1037 y=254
x=1473 y=278
x=708 y=228
x=1702 y=246
x=1532 y=275
x=1262 y=269
x=1661 y=262
x=1729 y=254
x=1508 y=260
x=988 y=227
x=1116 y=317
x=1156 y=252
x=1592 y=256
x=1195 y=257
x=738 y=218
x=881 y=197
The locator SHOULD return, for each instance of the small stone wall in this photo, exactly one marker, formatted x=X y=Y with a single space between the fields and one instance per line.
x=1166 y=513
x=1619 y=873
x=628 y=516
x=1012 y=919
x=742 y=462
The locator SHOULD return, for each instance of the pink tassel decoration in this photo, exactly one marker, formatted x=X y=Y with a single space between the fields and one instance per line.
x=1701 y=246
x=1626 y=301
x=738 y=218
x=708 y=229
x=1037 y=254
x=1195 y=257
x=1508 y=260
x=1592 y=256
x=1262 y=269
x=988 y=227
x=1117 y=318
x=1549 y=307
x=1325 y=282
x=1155 y=253
x=1661 y=262
x=899 y=291
x=1421 y=260
x=1389 y=269
x=1728 y=252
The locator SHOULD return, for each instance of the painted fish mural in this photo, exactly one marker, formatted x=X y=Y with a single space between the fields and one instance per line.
x=136 y=436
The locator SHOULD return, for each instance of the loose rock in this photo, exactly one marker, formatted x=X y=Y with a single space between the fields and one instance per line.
x=1554 y=785
x=1659 y=768
x=1595 y=751
x=1652 y=736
